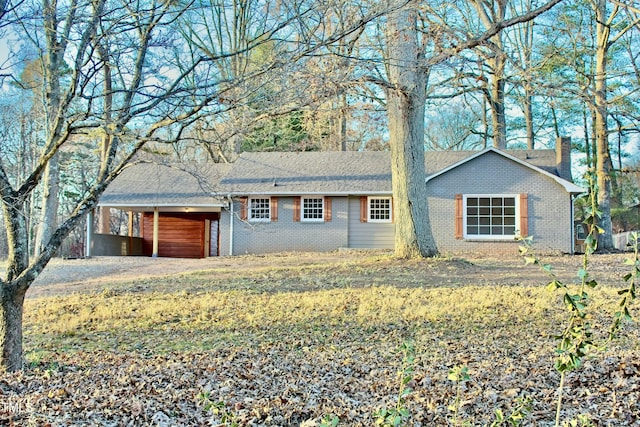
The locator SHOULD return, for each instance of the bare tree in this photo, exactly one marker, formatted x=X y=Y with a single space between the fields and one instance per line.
x=303 y=107
x=451 y=127
x=149 y=104
x=406 y=94
x=522 y=43
x=409 y=61
x=490 y=13
x=125 y=78
x=609 y=16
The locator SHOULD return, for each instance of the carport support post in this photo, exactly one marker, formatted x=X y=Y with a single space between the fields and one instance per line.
x=130 y=225
x=130 y=233
x=156 y=220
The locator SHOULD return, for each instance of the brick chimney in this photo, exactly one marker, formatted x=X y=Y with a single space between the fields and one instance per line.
x=563 y=158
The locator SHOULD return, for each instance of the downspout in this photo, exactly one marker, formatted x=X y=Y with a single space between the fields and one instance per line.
x=573 y=224
x=88 y=240
x=230 y=225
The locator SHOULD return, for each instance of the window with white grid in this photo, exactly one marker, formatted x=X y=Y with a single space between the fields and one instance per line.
x=313 y=209
x=490 y=216
x=379 y=209
x=259 y=209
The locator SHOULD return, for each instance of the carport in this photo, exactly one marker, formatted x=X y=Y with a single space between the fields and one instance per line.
x=177 y=209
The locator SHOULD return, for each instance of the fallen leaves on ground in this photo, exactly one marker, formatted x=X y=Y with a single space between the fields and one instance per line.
x=283 y=386
x=309 y=351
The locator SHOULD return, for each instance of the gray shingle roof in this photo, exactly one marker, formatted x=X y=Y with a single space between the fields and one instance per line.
x=152 y=184
x=310 y=172
x=280 y=173
x=350 y=172
x=436 y=161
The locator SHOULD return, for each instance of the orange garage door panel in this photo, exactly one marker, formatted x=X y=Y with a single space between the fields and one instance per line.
x=179 y=235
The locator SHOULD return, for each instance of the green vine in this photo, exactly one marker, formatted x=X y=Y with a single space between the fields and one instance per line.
x=576 y=340
x=399 y=415
x=627 y=295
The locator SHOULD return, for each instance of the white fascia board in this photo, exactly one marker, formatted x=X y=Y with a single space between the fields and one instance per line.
x=193 y=208
x=311 y=193
x=315 y=193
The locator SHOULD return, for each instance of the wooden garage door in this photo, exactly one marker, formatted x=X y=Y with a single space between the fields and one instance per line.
x=179 y=235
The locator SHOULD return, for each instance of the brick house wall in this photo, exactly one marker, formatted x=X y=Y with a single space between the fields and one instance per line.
x=285 y=234
x=549 y=205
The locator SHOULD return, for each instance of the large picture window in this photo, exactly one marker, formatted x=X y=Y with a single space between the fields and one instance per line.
x=491 y=216
x=379 y=209
x=259 y=209
x=313 y=209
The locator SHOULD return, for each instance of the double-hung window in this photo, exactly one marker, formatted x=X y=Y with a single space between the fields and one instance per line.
x=259 y=209
x=312 y=209
x=491 y=216
x=379 y=209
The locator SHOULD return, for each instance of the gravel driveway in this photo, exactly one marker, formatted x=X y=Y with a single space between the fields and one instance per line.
x=64 y=276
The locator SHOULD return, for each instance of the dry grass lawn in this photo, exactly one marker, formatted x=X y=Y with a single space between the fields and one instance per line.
x=288 y=340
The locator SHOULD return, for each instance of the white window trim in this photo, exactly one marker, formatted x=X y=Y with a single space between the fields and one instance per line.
x=466 y=236
x=249 y=209
x=302 y=218
x=387 y=221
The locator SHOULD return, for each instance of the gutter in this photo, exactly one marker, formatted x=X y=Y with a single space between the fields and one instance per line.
x=573 y=223
x=312 y=193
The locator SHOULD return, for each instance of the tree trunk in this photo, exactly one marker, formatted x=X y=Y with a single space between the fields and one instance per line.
x=49 y=212
x=15 y=224
x=104 y=213
x=52 y=63
x=491 y=13
x=528 y=117
x=11 y=303
x=498 y=117
x=526 y=47
x=603 y=162
x=12 y=291
x=405 y=109
x=343 y=122
x=587 y=139
x=485 y=124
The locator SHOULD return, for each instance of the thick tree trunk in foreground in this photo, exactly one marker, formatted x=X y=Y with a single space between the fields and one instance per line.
x=21 y=273
x=11 y=303
x=13 y=287
x=405 y=109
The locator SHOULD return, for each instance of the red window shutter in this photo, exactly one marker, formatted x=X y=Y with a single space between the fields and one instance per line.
x=363 y=209
x=327 y=209
x=243 y=208
x=274 y=209
x=458 y=217
x=524 y=215
x=296 y=209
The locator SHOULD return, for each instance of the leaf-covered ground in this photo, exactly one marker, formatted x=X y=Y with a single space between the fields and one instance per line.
x=290 y=340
